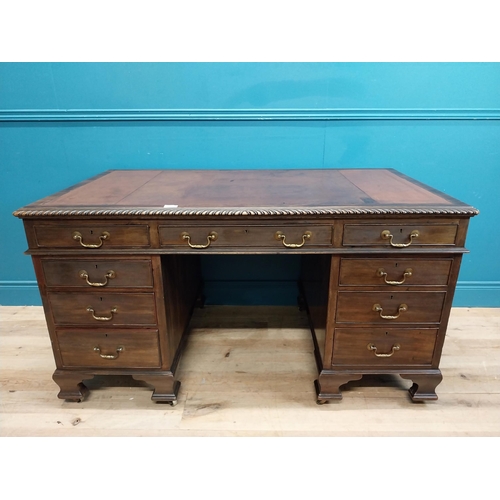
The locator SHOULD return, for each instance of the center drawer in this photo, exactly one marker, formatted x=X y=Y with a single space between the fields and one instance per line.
x=107 y=309
x=201 y=237
x=81 y=348
x=387 y=307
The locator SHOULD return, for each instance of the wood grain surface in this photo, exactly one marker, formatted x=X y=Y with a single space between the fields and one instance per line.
x=249 y=371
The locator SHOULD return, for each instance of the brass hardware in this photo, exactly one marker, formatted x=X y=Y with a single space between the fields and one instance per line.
x=85 y=276
x=280 y=236
x=408 y=272
x=211 y=237
x=102 y=318
x=78 y=237
x=386 y=235
x=378 y=308
x=372 y=347
x=119 y=349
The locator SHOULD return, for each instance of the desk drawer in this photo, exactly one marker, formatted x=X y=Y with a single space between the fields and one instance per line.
x=109 y=349
x=103 y=310
x=402 y=235
x=387 y=307
x=394 y=272
x=383 y=346
x=245 y=236
x=96 y=236
x=102 y=274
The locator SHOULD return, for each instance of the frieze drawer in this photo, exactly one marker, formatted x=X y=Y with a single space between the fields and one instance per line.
x=91 y=236
x=399 y=235
x=204 y=237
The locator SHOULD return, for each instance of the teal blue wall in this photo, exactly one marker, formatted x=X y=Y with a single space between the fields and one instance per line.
x=439 y=123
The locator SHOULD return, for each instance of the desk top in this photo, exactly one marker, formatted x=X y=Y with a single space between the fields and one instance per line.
x=247 y=192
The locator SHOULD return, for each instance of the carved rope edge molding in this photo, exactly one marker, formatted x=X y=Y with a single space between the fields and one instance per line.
x=245 y=212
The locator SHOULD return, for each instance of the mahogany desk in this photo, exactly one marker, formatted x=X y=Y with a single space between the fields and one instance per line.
x=117 y=263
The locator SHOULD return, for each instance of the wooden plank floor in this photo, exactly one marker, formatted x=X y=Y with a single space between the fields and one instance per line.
x=249 y=371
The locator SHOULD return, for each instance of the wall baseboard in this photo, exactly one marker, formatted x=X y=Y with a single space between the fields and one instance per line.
x=467 y=294
x=262 y=114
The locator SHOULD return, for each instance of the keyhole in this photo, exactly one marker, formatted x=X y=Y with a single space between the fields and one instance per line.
x=391 y=297
x=100 y=298
x=96 y=266
x=107 y=334
x=387 y=333
x=396 y=265
x=91 y=232
x=401 y=230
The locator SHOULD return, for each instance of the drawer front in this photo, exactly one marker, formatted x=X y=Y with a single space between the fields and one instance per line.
x=383 y=346
x=102 y=274
x=91 y=236
x=109 y=349
x=245 y=236
x=103 y=310
x=394 y=272
x=388 y=308
x=399 y=235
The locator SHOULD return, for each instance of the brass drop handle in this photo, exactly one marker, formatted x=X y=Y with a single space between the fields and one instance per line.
x=401 y=309
x=102 y=318
x=386 y=235
x=78 y=237
x=280 y=236
x=211 y=237
x=85 y=276
x=373 y=347
x=119 y=349
x=408 y=272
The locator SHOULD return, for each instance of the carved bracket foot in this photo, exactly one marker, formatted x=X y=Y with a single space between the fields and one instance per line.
x=71 y=385
x=424 y=385
x=328 y=385
x=165 y=386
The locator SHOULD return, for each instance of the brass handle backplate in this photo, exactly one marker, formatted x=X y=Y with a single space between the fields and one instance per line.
x=119 y=349
x=102 y=318
x=211 y=237
x=378 y=308
x=280 y=236
x=386 y=235
x=373 y=347
x=85 y=276
x=408 y=272
x=78 y=237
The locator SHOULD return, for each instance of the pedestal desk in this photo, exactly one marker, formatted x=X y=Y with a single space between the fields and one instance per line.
x=117 y=263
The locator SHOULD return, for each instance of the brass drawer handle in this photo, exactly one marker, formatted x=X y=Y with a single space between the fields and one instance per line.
x=119 y=349
x=102 y=318
x=280 y=236
x=78 y=237
x=85 y=276
x=378 y=308
x=408 y=272
x=211 y=237
x=386 y=235
x=372 y=347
